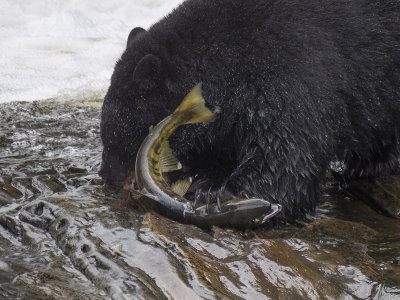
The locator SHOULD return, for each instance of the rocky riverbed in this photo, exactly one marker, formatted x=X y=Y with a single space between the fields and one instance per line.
x=64 y=236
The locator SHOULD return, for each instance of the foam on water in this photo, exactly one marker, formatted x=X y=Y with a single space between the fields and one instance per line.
x=66 y=49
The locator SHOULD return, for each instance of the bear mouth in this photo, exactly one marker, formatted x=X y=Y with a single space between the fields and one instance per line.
x=130 y=182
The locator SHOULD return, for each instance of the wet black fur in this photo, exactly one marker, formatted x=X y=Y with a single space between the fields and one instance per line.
x=297 y=83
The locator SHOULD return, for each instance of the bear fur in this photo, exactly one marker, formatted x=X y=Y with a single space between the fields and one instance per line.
x=297 y=85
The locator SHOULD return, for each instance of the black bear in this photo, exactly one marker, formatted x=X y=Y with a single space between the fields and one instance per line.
x=298 y=84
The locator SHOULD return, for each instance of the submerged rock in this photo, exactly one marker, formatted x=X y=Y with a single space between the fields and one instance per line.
x=384 y=193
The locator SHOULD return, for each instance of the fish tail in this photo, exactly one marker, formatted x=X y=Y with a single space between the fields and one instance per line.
x=193 y=108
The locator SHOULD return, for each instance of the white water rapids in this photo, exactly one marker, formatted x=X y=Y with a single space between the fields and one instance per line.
x=66 y=49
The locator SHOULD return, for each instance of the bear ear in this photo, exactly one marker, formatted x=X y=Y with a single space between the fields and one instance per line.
x=147 y=72
x=135 y=32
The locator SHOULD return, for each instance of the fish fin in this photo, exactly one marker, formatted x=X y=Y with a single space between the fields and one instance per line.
x=151 y=128
x=168 y=162
x=194 y=107
x=181 y=187
x=143 y=191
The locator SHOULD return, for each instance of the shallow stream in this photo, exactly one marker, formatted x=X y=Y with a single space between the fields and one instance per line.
x=64 y=236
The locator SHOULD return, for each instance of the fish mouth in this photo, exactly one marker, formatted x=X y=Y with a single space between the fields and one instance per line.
x=130 y=182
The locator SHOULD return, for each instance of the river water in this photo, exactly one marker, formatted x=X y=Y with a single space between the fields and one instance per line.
x=63 y=235
x=66 y=49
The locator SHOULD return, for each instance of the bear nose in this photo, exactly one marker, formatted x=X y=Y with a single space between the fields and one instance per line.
x=101 y=171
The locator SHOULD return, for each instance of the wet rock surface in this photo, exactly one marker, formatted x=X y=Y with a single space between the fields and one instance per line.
x=382 y=193
x=64 y=236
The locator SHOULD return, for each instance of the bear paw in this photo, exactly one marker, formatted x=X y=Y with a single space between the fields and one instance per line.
x=216 y=195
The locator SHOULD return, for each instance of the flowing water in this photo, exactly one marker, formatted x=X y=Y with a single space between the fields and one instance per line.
x=63 y=235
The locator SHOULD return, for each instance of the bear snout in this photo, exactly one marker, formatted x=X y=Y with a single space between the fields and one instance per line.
x=115 y=175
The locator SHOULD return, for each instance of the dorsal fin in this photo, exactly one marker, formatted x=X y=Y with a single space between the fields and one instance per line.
x=181 y=187
x=168 y=162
